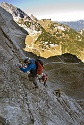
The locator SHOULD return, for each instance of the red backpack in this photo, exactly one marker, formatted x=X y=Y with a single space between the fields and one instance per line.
x=39 y=66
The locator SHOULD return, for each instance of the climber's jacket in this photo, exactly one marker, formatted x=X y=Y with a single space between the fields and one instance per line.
x=30 y=67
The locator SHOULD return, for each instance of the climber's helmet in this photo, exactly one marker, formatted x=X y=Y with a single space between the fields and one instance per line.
x=27 y=60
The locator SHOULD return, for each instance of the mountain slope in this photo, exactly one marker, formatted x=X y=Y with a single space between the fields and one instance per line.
x=68 y=77
x=17 y=13
x=81 y=32
x=47 y=38
x=55 y=39
x=19 y=104
x=13 y=33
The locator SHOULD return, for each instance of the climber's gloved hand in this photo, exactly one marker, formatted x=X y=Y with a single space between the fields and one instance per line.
x=28 y=72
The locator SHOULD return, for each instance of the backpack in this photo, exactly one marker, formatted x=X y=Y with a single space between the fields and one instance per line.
x=39 y=66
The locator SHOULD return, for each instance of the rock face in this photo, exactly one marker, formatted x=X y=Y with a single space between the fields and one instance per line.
x=19 y=103
x=17 y=13
x=9 y=29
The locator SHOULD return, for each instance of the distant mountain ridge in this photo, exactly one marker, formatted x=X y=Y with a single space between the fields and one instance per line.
x=76 y=25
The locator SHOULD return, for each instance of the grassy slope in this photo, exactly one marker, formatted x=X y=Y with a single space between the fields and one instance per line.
x=67 y=39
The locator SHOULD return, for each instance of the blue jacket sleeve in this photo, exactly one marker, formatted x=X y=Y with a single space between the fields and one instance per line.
x=29 y=67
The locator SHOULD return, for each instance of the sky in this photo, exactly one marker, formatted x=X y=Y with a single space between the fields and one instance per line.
x=56 y=10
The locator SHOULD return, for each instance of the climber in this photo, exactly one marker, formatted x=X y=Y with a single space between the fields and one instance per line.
x=30 y=68
x=57 y=92
x=44 y=79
